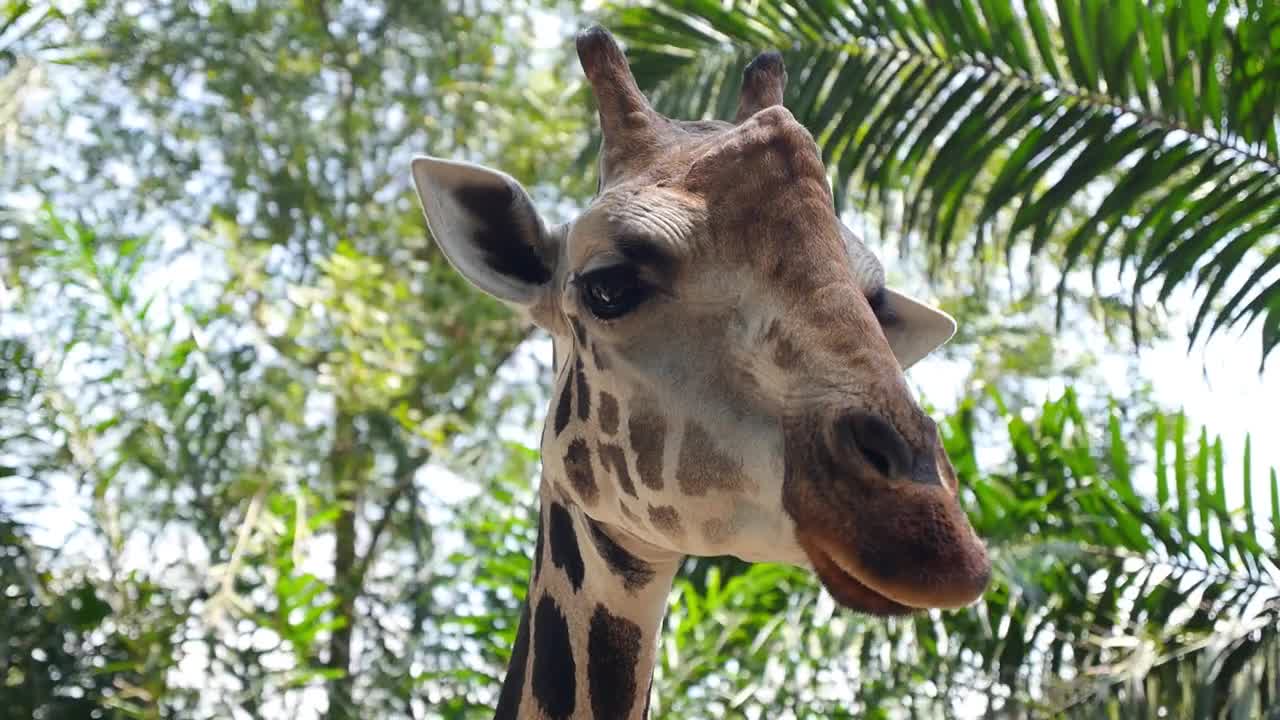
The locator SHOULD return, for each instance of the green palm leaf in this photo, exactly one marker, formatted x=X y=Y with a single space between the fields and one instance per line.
x=1126 y=135
x=1163 y=607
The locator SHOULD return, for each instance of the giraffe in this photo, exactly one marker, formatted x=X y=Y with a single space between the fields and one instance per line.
x=729 y=380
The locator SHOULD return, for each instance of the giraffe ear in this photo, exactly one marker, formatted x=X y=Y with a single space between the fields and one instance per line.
x=915 y=329
x=484 y=222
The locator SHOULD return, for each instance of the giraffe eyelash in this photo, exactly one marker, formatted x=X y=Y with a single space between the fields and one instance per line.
x=612 y=292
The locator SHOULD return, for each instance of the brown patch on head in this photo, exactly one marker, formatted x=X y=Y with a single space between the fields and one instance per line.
x=608 y=413
x=666 y=519
x=577 y=467
x=584 y=392
x=614 y=460
x=601 y=359
x=579 y=332
x=786 y=355
x=704 y=467
x=716 y=531
x=565 y=405
x=648 y=433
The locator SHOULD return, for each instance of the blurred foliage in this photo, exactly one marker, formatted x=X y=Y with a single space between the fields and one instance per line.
x=264 y=455
x=240 y=353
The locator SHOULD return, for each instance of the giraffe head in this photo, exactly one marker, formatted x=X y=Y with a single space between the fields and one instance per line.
x=729 y=361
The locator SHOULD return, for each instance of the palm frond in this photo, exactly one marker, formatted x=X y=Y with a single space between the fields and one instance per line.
x=1126 y=135
x=1112 y=601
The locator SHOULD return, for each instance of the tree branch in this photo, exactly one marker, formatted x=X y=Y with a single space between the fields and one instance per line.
x=404 y=482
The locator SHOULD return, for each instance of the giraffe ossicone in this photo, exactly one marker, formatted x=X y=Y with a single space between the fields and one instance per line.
x=729 y=381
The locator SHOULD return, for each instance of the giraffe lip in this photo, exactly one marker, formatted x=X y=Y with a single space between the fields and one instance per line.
x=847 y=589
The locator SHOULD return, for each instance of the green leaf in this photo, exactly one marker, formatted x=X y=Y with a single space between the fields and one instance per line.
x=1246 y=469
x=1044 y=40
x=1079 y=47
x=1162 y=476
x=1203 y=497
x=1180 y=469
x=1275 y=510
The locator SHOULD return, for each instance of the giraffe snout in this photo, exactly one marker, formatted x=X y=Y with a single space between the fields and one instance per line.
x=875 y=502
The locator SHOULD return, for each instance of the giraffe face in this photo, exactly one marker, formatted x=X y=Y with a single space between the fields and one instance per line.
x=729 y=362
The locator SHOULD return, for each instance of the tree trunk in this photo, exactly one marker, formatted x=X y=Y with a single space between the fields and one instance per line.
x=345 y=466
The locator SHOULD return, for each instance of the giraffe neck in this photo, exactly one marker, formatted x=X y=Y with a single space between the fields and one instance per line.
x=588 y=634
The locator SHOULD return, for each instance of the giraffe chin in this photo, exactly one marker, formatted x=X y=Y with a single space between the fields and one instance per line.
x=848 y=590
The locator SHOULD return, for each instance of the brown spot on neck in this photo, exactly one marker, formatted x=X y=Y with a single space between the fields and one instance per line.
x=613 y=652
x=634 y=572
x=513 y=685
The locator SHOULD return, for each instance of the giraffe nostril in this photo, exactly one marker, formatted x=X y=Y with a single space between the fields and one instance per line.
x=877 y=460
x=876 y=443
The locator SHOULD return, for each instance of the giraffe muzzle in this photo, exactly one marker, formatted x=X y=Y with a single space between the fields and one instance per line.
x=879 y=518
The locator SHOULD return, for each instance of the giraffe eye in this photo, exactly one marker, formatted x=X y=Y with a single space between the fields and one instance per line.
x=612 y=292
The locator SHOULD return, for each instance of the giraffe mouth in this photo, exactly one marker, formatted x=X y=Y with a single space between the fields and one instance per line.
x=879 y=546
x=848 y=590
